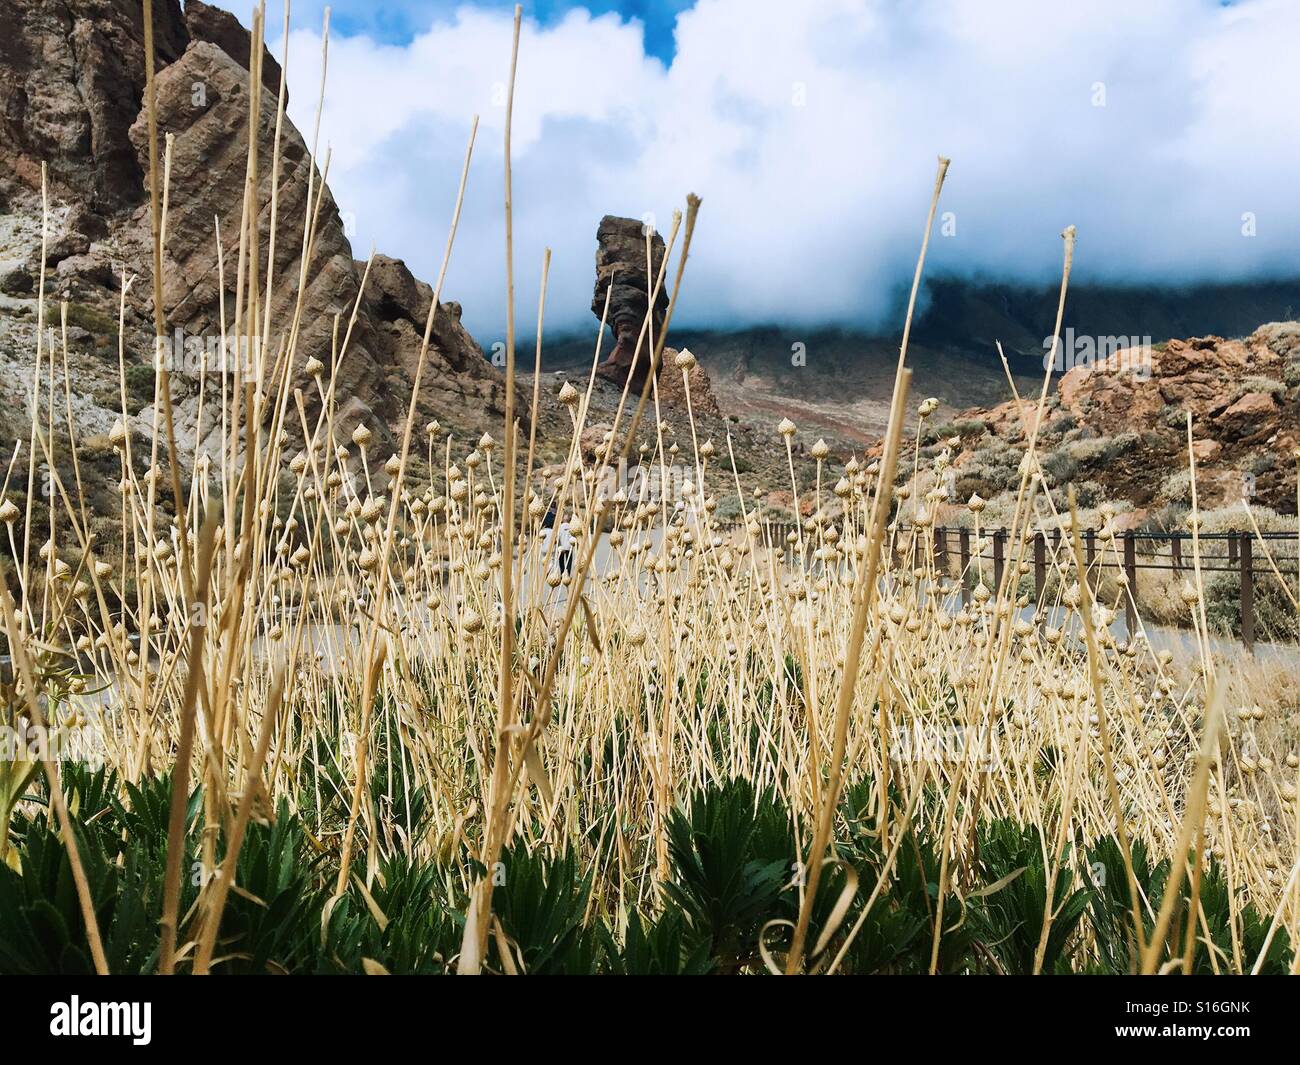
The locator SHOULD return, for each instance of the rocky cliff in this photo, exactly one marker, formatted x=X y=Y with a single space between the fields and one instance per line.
x=71 y=93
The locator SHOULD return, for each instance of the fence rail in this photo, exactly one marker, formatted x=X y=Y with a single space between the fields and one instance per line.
x=1126 y=554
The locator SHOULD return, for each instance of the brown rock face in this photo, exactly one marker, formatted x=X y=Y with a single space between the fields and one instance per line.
x=71 y=92
x=208 y=23
x=625 y=275
x=672 y=389
x=1252 y=418
x=71 y=84
x=1121 y=423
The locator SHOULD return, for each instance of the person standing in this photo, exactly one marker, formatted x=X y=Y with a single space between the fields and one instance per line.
x=564 y=549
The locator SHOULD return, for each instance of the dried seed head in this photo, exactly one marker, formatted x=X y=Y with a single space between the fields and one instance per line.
x=786 y=428
x=314 y=366
x=568 y=394
x=685 y=360
x=820 y=449
x=8 y=512
x=361 y=436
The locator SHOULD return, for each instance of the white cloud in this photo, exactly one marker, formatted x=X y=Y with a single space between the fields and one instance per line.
x=811 y=131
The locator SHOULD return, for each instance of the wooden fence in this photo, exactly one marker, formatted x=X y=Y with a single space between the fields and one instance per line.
x=1130 y=552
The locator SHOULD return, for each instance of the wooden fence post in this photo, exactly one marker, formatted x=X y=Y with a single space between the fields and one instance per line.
x=999 y=556
x=1247 y=592
x=1090 y=544
x=1040 y=566
x=963 y=548
x=1130 y=580
x=1177 y=551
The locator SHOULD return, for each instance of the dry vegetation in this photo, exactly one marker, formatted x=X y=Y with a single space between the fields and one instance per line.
x=384 y=732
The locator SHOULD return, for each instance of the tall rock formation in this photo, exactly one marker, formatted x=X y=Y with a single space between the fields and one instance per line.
x=627 y=268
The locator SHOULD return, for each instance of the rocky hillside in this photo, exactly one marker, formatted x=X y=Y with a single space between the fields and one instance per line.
x=72 y=82
x=1116 y=430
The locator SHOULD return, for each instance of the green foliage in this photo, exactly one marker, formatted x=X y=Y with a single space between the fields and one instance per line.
x=140 y=386
x=1291 y=372
x=958 y=427
x=420 y=931
x=541 y=902
x=735 y=876
x=668 y=946
x=733 y=853
x=1010 y=919
x=1275 y=617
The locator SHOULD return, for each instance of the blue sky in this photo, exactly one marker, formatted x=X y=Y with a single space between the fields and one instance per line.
x=1165 y=130
x=398 y=21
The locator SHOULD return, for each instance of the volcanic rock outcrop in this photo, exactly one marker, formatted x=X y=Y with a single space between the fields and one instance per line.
x=72 y=87
x=1117 y=429
x=625 y=276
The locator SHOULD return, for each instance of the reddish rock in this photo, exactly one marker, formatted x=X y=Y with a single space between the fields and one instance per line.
x=784 y=499
x=1252 y=417
x=672 y=390
x=1146 y=401
x=71 y=83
